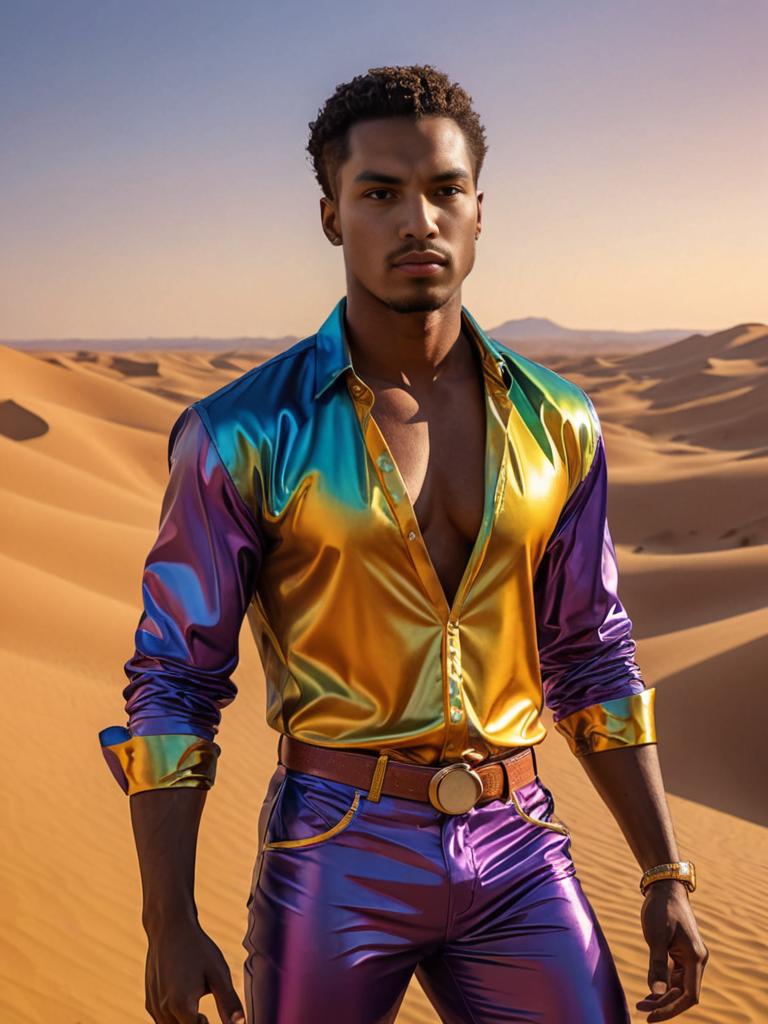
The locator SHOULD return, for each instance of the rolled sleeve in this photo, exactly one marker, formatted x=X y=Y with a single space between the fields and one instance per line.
x=198 y=580
x=590 y=677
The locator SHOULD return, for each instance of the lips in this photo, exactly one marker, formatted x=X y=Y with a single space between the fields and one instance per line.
x=421 y=257
x=420 y=264
x=419 y=269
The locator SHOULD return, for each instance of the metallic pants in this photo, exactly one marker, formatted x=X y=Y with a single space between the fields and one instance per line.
x=484 y=907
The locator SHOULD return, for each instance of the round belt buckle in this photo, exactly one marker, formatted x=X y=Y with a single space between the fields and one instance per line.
x=455 y=788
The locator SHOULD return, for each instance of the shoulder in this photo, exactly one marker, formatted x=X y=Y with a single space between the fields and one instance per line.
x=251 y=403
x=247 y=404
x=560 y=405
x=262 y=386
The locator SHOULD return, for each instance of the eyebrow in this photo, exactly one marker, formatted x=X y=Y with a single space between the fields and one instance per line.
x=390 y=179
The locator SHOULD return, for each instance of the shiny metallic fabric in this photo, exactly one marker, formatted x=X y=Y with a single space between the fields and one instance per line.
x=350 y=897
x=139 y=763
x=285 y=504
x=624 y=721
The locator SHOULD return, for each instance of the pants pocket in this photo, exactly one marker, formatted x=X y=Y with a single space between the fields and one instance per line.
x=547 y=818
x=310 y=811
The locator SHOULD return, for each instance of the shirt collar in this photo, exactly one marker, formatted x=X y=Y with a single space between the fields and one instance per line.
x=333 y=356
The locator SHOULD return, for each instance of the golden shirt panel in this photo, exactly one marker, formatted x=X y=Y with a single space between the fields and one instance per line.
x=349 y=618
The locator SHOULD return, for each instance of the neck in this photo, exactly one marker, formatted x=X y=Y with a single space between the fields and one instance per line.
x=416 y=349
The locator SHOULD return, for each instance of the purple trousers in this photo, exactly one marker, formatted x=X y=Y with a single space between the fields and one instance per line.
x=484 y=907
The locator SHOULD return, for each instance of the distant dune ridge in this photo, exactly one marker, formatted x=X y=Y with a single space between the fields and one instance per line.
x=83 y=433
x=82 y=347
x=545 y=335
x=525 y=332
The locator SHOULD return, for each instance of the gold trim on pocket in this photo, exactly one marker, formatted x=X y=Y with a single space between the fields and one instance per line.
x=537 y=821
x=284 y=844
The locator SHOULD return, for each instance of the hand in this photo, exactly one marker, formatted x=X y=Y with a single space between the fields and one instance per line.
x=183 y=964
x=670 y=930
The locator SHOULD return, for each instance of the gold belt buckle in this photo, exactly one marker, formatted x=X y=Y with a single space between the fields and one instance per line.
x=455 y=788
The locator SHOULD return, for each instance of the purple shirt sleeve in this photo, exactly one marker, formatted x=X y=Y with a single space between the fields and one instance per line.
x=586 y=650
x=197 y=583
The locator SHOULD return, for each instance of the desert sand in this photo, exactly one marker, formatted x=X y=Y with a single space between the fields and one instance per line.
x=83 y=471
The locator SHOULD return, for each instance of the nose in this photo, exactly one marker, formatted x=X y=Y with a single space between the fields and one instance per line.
x=419 y=220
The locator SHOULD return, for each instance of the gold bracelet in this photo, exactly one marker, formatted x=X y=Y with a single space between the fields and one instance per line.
x=682 y=870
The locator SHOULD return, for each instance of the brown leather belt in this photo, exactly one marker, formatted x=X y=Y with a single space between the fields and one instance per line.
x=452 y=788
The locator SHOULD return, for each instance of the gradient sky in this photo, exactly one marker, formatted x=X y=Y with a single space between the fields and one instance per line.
x=155 y=180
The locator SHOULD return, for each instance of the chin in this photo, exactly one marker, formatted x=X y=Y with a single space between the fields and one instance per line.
x=425 y=303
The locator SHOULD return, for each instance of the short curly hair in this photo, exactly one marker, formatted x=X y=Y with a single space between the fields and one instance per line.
x=415 y=90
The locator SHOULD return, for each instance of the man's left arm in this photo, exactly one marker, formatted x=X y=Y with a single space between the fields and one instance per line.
x=593 y=686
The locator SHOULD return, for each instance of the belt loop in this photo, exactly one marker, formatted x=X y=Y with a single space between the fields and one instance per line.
x=506 y=795
x=280 y=749
x=374 y=793
x=506 y=784
x=535 y=765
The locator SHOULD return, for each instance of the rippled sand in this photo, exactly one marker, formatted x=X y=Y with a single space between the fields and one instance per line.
x=83 y=456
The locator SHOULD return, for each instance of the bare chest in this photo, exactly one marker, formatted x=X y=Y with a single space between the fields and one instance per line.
x=438 y=446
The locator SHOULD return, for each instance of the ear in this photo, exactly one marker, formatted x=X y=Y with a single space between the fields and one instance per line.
x=329 y=219
x=479 y=213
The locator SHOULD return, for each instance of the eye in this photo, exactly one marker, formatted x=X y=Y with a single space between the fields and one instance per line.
x=453 y=190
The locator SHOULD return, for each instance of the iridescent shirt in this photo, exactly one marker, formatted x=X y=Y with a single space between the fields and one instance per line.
x=284 y=504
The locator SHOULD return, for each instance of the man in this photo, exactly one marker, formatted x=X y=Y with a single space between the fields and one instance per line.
x=419 y=583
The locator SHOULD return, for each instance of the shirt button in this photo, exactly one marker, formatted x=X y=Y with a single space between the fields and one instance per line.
x=411 y=535
x=386 y=463
x=455 y=714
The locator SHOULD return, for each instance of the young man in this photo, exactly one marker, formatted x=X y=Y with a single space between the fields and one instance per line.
x=419 y=583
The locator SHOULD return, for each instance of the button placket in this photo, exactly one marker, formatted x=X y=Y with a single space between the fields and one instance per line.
x=389 y=480
x=498 y=405
x=455 y=696
x=394 y=488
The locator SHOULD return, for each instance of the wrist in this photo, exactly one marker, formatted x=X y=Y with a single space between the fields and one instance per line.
x=681 y=871
x=158 y=921
x=668 y=887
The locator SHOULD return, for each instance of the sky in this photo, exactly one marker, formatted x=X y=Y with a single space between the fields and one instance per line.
x=155 y=181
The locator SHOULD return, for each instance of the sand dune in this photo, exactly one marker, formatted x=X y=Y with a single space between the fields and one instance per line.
x=83 y=440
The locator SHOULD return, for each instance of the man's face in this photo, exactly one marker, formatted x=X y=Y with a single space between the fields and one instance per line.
x=406 y=187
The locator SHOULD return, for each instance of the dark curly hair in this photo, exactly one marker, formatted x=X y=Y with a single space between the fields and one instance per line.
x=415 y=90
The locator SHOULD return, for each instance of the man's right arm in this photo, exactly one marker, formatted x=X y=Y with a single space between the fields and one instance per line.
x=183 y=963
x=198 y=580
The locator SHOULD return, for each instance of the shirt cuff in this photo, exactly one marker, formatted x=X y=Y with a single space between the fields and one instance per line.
x=622 y=722
x=168 y=761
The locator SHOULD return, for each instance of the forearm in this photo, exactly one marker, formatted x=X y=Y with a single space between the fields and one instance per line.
x=629 y=781
x=165 y=827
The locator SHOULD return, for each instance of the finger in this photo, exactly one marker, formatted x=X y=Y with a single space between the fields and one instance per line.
x=683 y=1002
x=659 y=988
x=658 y=978
x=685 y=993
x=656 y=999
x=665 y=999
x=227 y=1000
x=230 y=1008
